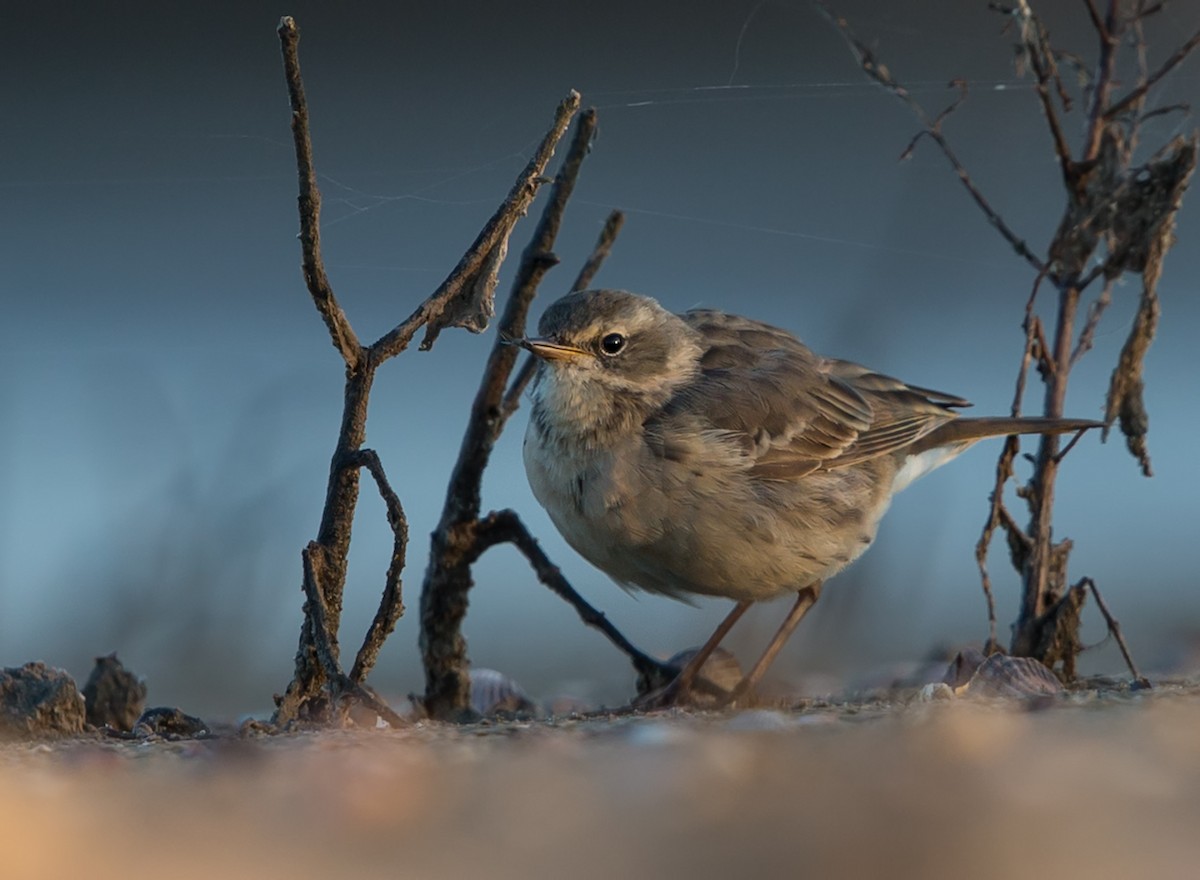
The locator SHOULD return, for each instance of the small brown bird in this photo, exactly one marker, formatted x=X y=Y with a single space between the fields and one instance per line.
x=710 y=454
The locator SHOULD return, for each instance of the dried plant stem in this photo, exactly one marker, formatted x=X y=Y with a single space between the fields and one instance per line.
x=444 y=594
x=391 y=606
x=1111 y=204
x=344 y=338
x=506 y=527
x=604 y=245
x=1114 y=628
x=932 y=128
x=318 y=682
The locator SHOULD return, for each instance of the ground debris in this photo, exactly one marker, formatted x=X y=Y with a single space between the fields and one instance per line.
x=115 y=696
x=38 y=702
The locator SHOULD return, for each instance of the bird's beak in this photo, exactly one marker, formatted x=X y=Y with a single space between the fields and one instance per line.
x=552 y=351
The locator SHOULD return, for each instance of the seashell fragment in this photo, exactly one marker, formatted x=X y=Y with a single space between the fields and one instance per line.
x=1003 y=676
x=493 y=693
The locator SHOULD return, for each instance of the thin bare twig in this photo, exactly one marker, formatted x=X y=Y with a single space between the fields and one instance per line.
x=505 y=526
x=1087 y=336
x=1033 y=333
x=1110 y=39
x=1149 y=82
x=604 y=244
x=391 y=604
x=997 y=514
x=1097 y=21
x=880 y=74
x=1114 y=627
x=512 y=397
x=344 y=338
x=494 y=231
x=1045 y=71
x=1075 y=438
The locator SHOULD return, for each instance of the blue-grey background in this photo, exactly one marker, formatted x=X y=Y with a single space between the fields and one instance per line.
x=169 y=397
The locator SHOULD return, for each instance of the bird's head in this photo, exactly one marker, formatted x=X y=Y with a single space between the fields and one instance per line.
x=605 y=350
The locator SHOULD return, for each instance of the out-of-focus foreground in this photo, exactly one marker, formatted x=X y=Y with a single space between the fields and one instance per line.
x=1095 y=787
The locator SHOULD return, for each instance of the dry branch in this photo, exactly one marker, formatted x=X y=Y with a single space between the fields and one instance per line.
x=391 y=606
x=1111 y=204
x=479 y=258
x=448 y=577
x=318 y=685
x=879 y=72
x=505 y=526
x=604 y=244
x=344 y=338
x=1114 y=629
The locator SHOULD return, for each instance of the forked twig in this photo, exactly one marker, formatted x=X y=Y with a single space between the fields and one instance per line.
x=463 y=299
x=391 y=605
x=880 y=74
x=1150 y=81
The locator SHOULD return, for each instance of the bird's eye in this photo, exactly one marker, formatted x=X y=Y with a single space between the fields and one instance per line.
x=612 y=343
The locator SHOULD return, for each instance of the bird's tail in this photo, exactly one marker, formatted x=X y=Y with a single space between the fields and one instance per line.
x=965 y=431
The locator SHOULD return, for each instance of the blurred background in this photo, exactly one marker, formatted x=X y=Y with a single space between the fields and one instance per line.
x=169 y=398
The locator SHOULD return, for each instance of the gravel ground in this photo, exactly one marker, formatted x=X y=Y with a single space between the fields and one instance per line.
x=1100 y=784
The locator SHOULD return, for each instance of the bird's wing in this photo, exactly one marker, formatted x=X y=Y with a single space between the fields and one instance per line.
x=791 y=411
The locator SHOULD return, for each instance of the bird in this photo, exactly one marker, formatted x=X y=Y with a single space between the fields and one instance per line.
x=710 y=454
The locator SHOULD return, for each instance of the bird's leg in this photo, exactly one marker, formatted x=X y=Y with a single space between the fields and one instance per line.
x=679 y=688
x=804 y=601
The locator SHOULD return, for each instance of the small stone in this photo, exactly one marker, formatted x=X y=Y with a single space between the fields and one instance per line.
x=115 y=696
x=37 y=701
x=170 y=723
x=494 y=693
x=935 y=692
